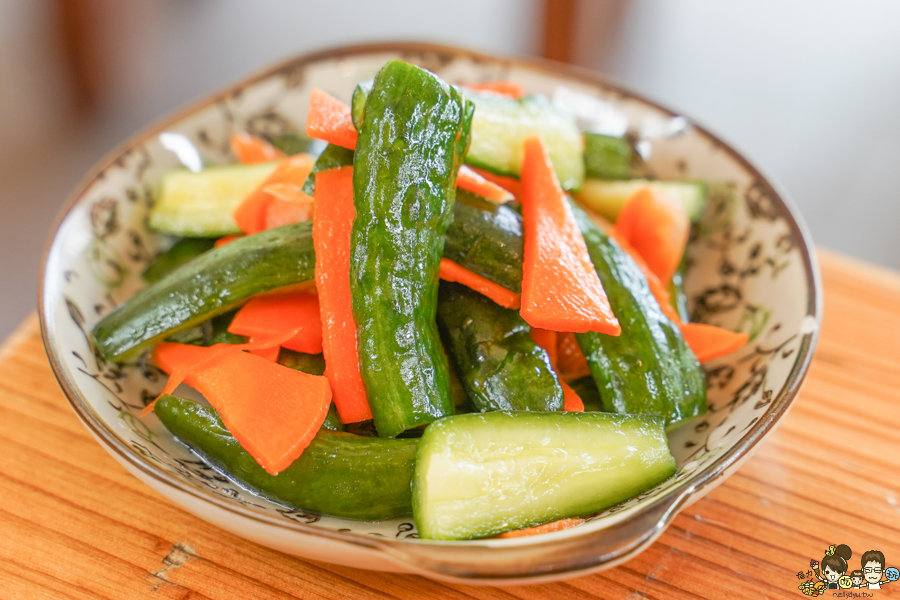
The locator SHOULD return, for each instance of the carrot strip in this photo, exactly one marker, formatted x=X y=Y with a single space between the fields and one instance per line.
x=271 y=314
x=250 y=149
x=272 y=411
x=572 y=363
x=251 y=214
x=331 y=240
x=330 y=120
x=545 y=528
x=450 y=271
x=560 y=287
x=511 y=184
x=547 y=340
x=709 y=342
x=181 y=360
x=282 y=212
x=471 y=180
x=270 y=354
x=657 y=227
x=226 y=239
x=503 y=88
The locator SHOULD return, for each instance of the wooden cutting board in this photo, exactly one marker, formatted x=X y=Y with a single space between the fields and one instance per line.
x=74 y=524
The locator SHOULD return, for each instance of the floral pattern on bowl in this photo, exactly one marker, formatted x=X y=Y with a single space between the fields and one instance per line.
x=750 y=267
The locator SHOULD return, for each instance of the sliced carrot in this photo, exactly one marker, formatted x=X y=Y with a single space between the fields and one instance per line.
x=709 y=342
x=471 y=180
x=451 y=271
x=657 y=227
x=287 y=212
x=226 y=239
x=511 y=184
x=270 y=354
x=504 y=88
x=572 y=363
x=547 y=340
x=250 y=149
x=251 y=214
x=180 y=361
x=560 y=288
x=331 y=241
x=571 y=400
x=329 y=119
x=272 y=411
x=545 y=528
x=272 y=314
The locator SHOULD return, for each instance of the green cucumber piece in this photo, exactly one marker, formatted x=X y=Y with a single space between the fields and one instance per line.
x=480 y=475
x=292 y=143
x=588 y=392
x=206 y=286
x=486 y=238
x=331 y=158
x=338 y=474
x=500 y=366
x=413 y=124
x=201 y=204
x=648 y=369
x=676 y=293
x=182 y=251
x=607 y=198
x=358 y=102
x=607 y=157
x=501 y=126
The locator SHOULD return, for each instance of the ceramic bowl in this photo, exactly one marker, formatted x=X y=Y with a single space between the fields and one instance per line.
x=751 y=267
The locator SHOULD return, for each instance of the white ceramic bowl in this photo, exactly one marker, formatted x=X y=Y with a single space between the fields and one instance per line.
x=751 y=267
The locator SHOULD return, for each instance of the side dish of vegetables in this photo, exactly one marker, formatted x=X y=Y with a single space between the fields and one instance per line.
x=464 y=308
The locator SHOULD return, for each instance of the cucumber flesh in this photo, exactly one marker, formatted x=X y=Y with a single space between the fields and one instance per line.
x=479 y=475
x=501 y=126
x=608 y=197
x=201 y=204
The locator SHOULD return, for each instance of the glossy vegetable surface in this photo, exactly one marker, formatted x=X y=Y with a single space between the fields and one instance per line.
x=182 y=251
x=338 y=474
x=479 y=475
x=404 y=183
x=209 y=285
x=499 y=364
x=607 y=157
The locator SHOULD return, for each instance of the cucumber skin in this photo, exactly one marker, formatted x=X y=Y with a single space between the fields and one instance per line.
x=338 y=474
x=649 y=368
x=473 y=439
x=397 y=242
x=607 y=157
x=181 y=252
x=209 y=285
x=486 y=238
x=331 y=158
x=500 y=366
x=358 y=102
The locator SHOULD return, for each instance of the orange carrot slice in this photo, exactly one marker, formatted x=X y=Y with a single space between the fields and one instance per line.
x=560 y=288
x=469 y=179
x=250 y=149
x=450 y=271
x=709 y=342
x=545 y=528
x=251 y=214
x=272 y=314
x=510 y=184
x=572 y=363
x=270 y=354
x=272 y=411
x=547 y=340
x=330 y=120
x=282 y=212
x=503 y=88
x=226 y=239
x=331 y=239
x=657 y=227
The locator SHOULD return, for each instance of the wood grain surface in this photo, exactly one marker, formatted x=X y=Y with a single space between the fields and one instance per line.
x=74 y=524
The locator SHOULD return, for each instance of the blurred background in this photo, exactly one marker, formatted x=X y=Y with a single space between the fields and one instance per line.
x=808 y=89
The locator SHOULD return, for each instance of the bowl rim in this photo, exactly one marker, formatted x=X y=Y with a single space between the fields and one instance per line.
x=673 y=500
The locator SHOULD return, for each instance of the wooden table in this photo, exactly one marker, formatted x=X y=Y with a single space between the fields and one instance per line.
x=74 y=524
